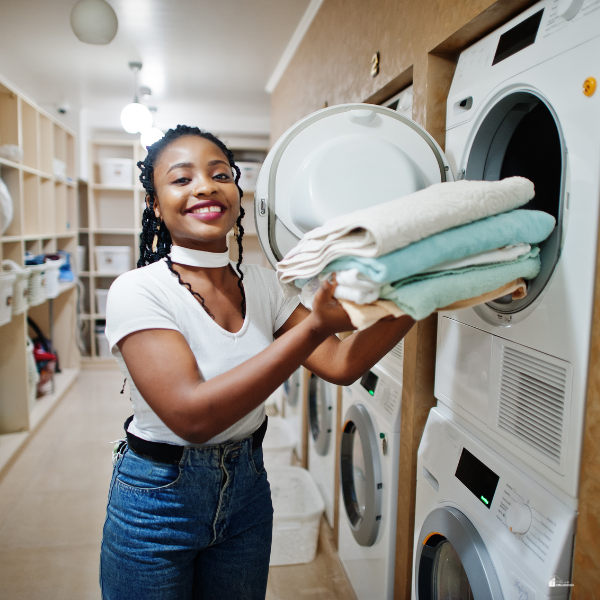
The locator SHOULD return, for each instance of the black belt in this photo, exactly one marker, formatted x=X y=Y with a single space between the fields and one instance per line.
x=171 y=453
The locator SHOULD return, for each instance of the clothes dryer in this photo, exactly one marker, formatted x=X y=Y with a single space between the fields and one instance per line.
x=322 y=432
x=369 y=464
x=522 y=103
x=484 y=529
x=292 y=393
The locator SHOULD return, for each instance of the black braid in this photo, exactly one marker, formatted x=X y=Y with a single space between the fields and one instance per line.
x=152 y=227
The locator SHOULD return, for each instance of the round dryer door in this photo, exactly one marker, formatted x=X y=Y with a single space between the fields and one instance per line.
x=320 y=413
x=452 y=561
x=338 y=160
x=360 y=475
x=520 y=134
x=291 y=388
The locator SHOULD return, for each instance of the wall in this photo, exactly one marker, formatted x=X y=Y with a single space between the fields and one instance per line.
x=418 y=41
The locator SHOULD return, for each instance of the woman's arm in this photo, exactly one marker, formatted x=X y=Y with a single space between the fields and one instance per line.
x=343 y=362
x=166 y=374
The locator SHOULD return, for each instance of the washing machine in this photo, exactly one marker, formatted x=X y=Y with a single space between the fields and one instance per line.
x=484 y=529
x=369 y=463
x=292 y=395
x=522 y=102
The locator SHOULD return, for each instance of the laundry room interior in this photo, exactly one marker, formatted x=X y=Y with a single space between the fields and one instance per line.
x=405 y=194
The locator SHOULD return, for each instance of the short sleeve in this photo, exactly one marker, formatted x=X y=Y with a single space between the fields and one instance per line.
x=284 y=307
x=135 y=302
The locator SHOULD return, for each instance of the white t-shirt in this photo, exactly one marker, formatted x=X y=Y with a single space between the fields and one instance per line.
x=152 y=298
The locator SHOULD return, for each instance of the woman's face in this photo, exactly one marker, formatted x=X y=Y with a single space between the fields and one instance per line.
x=196 y=194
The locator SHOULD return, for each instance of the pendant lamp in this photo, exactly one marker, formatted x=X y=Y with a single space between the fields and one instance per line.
x=94 y=21
x=149 y=136
x=135 y=117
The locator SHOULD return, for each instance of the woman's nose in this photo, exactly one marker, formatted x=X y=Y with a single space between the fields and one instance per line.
x=204 y=186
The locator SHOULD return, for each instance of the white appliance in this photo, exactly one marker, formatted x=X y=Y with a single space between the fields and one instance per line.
x=322 y=432
x=369 y=463
x=292 y=394
x=519 y=104
x=484 y=529
x=402 y=102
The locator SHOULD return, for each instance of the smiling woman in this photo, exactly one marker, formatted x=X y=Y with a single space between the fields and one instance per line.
x=204 y=342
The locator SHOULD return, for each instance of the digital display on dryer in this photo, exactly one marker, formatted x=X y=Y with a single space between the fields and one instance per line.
x=480 y=480
x=369 y=382
x=519 y=37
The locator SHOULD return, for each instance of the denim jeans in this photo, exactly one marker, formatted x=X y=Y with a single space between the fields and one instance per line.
x=200 y=529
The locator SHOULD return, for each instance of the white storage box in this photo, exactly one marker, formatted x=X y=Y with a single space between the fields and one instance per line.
x=36 y=292
x=101 y=296
x=103 y=349
x=279 y=443
x=298 y=507
x=116 y=171
x=113 y=260
x=51 y=286
x=7 y=281
x=80 y=263
x=20 y=291
x=249 y=175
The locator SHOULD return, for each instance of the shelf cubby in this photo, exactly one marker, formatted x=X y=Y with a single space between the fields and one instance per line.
x=113 y=209
x=46 y=145
x=47 y=206
x=31 y=204
x=13 y=251
x=61 y=219
x=12 y=179
x=9 y=117
x=29 y=119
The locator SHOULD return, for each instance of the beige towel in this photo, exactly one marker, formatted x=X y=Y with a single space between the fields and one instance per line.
x=365 y=315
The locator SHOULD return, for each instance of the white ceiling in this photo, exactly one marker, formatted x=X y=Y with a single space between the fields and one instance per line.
x=203 y=59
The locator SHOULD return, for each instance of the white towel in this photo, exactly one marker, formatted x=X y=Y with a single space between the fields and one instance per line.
x=381 y=229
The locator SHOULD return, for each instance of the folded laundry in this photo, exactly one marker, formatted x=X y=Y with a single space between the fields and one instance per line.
x=529 y=226
x=419 y=296
x=381 y=229
x=363 y=316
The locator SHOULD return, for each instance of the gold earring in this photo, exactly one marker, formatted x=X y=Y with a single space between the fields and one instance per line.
x=155 y=240
x=236 y=231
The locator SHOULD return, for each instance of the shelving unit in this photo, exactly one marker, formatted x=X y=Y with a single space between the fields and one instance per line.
x=42 y=187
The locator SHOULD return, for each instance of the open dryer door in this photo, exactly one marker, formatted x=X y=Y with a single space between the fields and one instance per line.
x=338 y=160
x=291 y=388
x=320 y=413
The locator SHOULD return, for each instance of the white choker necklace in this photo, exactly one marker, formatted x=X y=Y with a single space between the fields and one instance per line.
x=199 y=258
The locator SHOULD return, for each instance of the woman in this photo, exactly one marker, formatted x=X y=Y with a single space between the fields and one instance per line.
x=203 y=344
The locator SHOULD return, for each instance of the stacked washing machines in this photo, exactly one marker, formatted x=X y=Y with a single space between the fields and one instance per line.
x=498 y=466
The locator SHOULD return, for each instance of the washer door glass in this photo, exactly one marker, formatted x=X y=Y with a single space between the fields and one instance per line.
x=521 y=135
x=338 y=160
x=320 y=413
x=360 y=474
x=450 y=581
x=291 y=388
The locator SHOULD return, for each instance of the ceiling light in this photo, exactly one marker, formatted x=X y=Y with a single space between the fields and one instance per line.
x=150 y=136
x=94 y=21
x=135 y=117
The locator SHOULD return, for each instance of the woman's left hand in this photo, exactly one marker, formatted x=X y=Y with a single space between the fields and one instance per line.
x=328 y=314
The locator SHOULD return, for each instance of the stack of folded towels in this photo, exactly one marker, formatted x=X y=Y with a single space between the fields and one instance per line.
x=449 y=246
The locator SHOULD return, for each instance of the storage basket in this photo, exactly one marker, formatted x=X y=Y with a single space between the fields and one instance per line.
x=33 y=377
x=103 y=349
x=249 y=175
x=101 y=296
x=113 y=260
x=279 y=443
x=7 y=281
x=80 y=262
x=116 y=171
x=20 y=291
x=298 y=507
x=51 y=276
x=36 y=292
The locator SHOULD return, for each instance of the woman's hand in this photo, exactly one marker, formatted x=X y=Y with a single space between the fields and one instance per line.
x=328 y=315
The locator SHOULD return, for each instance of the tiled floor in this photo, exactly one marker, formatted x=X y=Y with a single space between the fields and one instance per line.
x=53 y=502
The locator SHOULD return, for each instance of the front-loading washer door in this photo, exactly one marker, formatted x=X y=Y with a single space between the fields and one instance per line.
x=360 y=475
x=339 y=160
x=320 y=413
x=452 y=562
x=291 y=388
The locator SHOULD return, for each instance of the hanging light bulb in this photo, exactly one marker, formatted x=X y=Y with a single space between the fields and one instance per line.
x=149 y=136
x=94 y=21
x=135 y=117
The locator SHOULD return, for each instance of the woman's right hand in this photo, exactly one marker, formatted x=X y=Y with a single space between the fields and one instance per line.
x=328 y=316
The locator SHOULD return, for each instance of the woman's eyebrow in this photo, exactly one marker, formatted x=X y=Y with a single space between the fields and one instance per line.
x=218 y=161
x=183 y=165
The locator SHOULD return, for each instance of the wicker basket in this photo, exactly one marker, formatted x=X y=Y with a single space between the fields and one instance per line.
x=20 y=292
x=52 y=273
x=36 y=291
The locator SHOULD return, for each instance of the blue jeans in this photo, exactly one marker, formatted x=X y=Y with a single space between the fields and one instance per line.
x=200 y=529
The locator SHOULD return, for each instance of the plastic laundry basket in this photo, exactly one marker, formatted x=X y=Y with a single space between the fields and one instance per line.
x=116 y=171
x=298 y=507
x=279 y=443
x=52 y=273
x=7 y=281
x=20 y=289
x=36 y=293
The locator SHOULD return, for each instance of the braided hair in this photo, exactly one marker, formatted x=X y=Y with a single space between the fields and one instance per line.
x=155 y=239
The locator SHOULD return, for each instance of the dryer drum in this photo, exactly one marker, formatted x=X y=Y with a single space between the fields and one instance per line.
x=291 y=388
x=520 y=135
x=320 y=409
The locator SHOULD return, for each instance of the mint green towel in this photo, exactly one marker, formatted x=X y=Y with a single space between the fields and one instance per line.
x=421 y=295
x=529 y=226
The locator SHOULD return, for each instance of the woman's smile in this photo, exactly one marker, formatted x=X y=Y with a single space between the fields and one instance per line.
x=209 y=210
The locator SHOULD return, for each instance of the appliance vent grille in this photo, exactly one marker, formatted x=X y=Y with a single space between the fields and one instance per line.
x=393 y=361
x=532 y=401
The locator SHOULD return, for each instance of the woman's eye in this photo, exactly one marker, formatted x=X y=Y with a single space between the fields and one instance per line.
x=223 y=176
x=182 y=180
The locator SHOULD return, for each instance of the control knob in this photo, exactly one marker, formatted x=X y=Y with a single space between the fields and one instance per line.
x=518 y=518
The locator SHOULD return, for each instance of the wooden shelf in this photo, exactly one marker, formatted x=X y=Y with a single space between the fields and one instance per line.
x=115 y=188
